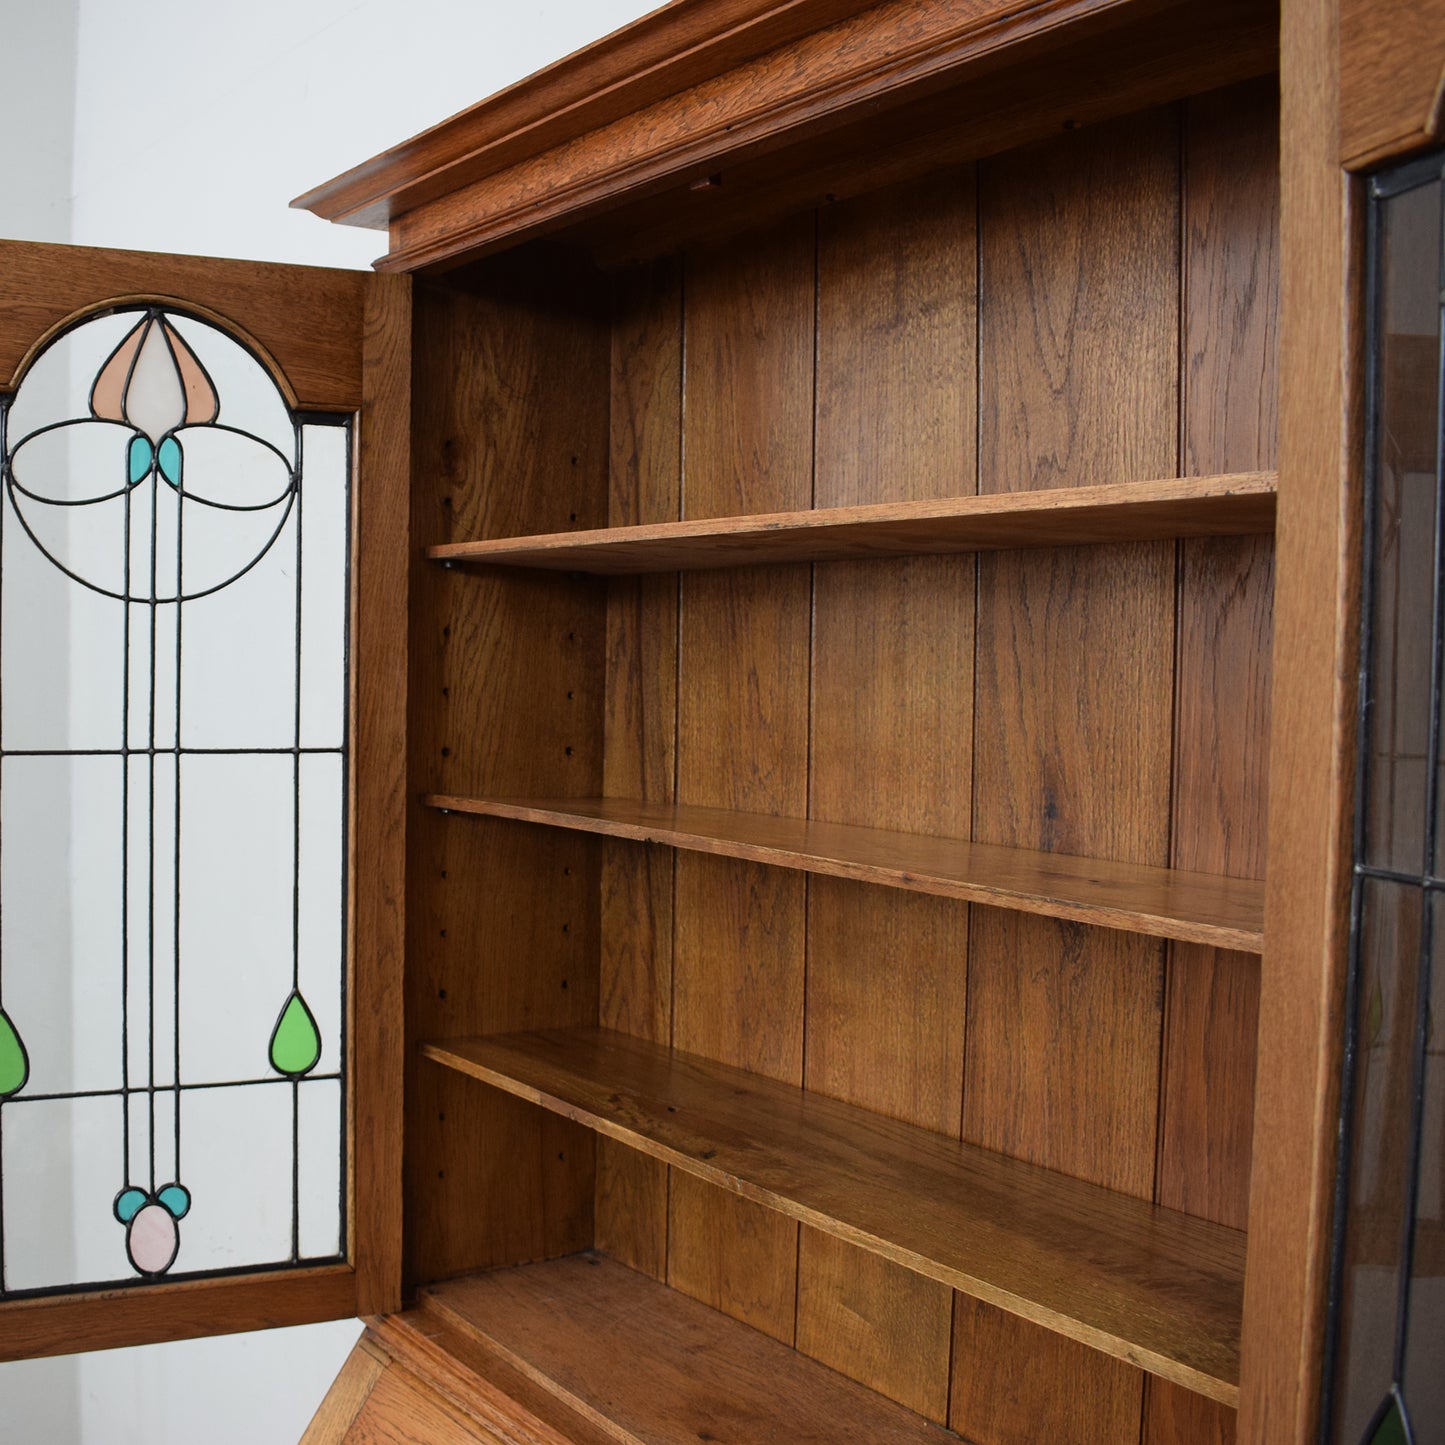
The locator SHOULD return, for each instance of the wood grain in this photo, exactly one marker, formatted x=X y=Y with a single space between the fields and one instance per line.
x=737 y=1255
x=1221 y=746
x=640 y=726
x=1136 y=897
x=402 y=1410
x=305 y=320
x=1232 y=504
x=503 y=1402
x=1027 y=1386
x=890 y=736
x=794 y=96
x=507 y=681
x=1079 y=282
x=655 y=1368
x=1392 y=72
x=30 y=1328
x=1115 y=1272
x=381 y=560
x=875 y=1322
x=1312 y=748
x=346 y=1396
x=740 y=928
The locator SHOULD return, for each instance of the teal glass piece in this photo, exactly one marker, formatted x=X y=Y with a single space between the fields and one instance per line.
x=296 y=1041
x=139 y=462
x=14 y=1061
x=169 y=461
x=1391 y=1430
x=176 y=1198
x=128 y=1204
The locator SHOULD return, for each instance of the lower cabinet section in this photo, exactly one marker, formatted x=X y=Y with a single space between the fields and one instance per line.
x=583 y=1350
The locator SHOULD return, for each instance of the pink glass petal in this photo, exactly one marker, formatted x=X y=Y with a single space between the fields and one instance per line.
x=107 y=396
x=152 y=1240
x=202 y=404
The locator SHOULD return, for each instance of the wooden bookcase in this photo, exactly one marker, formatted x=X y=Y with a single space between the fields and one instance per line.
x=824 y=702
x=839 y=710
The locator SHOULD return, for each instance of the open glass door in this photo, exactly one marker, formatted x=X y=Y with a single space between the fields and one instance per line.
x=202 y=497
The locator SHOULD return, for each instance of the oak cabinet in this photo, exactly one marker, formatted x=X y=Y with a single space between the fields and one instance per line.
x=832 y=592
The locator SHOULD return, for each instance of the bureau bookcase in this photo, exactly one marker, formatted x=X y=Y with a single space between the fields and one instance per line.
x=840 y=654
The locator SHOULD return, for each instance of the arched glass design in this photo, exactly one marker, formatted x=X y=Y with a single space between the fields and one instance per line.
x=173 y=763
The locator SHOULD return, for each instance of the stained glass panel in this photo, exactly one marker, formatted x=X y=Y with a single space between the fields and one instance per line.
x=1384 y=1381
x=173 y=603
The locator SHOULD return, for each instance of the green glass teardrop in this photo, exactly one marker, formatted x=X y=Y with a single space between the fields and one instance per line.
x=1390 y=1430
x=296 y=1041
x=14 y=1062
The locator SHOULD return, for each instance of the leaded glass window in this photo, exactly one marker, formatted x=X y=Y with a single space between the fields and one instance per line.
x=173 y=783
x=1384 y=1383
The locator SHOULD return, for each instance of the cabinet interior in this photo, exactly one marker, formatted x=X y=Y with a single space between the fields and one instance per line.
x=1095 y=308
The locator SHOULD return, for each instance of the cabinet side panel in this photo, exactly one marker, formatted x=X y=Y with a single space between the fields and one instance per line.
x=510 y=394
x=1226 y=586
x=640 y=751
x=1079 y=281
x=743 y=721
x=891 y=733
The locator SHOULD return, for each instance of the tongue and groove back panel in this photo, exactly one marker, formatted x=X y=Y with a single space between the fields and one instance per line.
x=1097 y=307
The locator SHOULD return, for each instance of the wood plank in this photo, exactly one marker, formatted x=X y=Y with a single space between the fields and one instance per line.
x=381 y=563
x=738 y=1256
x=652 y=1367
x=1135 y=1281
x=890 y=737
x=640 y=727
x=1230 y=418
x=742 y=679
x=1227 y=505
x=306 y=321
x=1392 y=78
x=30 y=1328
x=402 y=1410
x=1312 y=741
x=876 y=1322
x=1055 y=1389
x=1078 y=365
x=1135 y=897
x=346 y=1396
x=471 y=1378
x=506 y=682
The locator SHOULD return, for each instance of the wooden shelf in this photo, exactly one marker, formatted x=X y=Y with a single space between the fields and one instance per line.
x=649 y=1366
x=1236 y=504
x=1160 y=902
x=1148 y=1285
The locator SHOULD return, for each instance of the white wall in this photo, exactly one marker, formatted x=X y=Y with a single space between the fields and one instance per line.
x=184 y=126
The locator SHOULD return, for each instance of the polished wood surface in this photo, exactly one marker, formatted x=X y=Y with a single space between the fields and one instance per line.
x=1107 y=512
x=664 y=52
x=655 y=1368
x=739 y=928
x=506 y=684
x=381 y=560
x=347 y=1395
x=1135 y=897
x=306 y=321
x=109 y=1319
x=1392 y=78
x=869 y=66
x=1312 y=755
x=1119 y=1274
